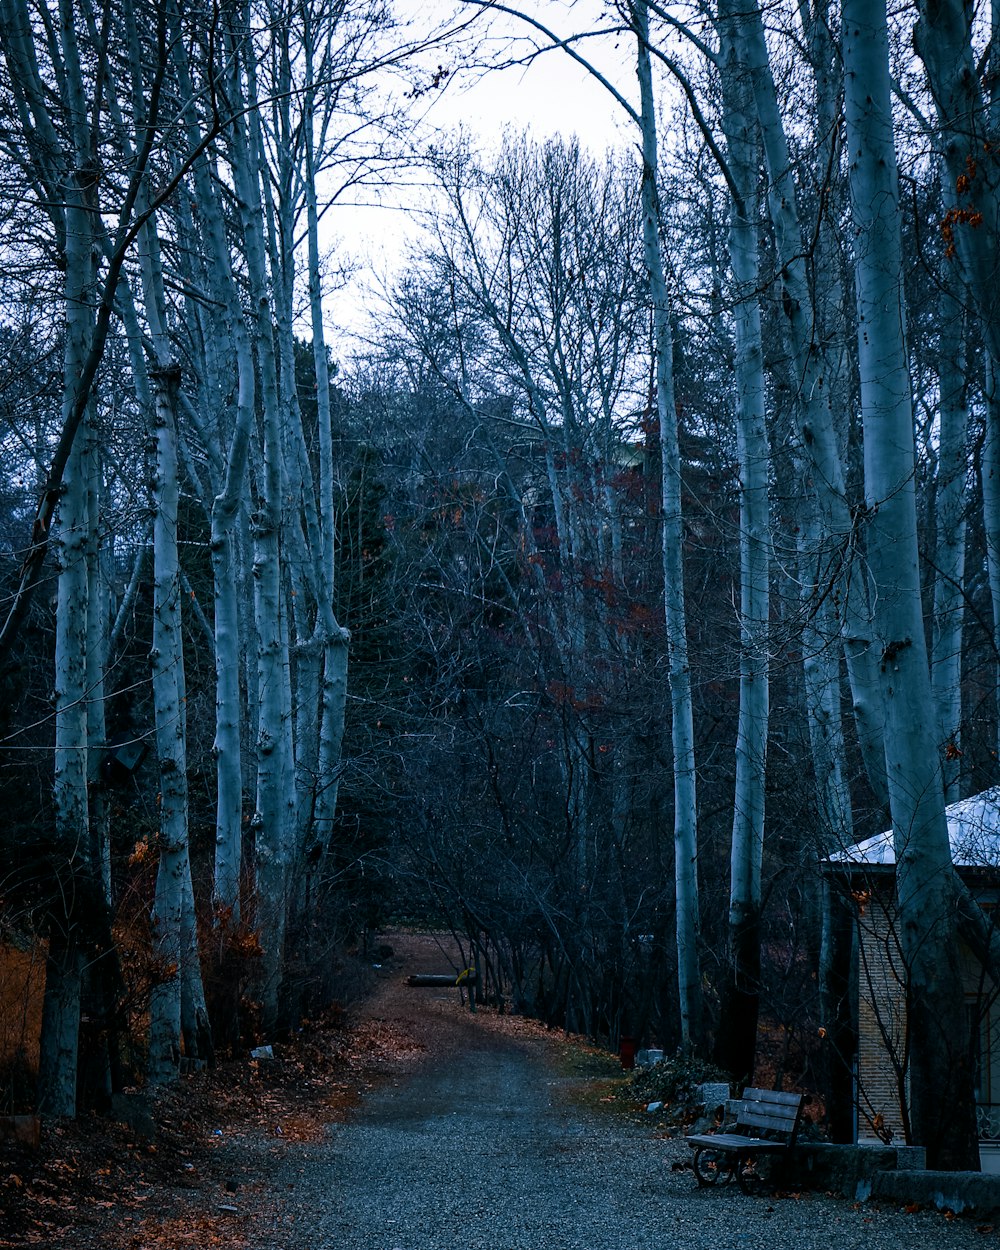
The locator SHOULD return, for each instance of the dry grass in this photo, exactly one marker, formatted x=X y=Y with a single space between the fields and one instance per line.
x=22 y=985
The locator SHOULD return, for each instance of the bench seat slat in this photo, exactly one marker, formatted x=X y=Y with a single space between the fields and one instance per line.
x=760 y=1119
x=736 y=1142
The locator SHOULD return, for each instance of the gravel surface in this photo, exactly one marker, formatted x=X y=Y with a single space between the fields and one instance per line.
x=484 y=1146
x=419 y=1127
x=481 y=1144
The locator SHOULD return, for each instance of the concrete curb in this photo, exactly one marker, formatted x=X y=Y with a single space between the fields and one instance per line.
x=886 y=1174
x=968 y=1193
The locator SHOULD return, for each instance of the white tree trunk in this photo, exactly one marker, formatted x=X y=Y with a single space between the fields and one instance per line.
x=274 y=784
x=821 y=674
x=943 y=40
x=754 y=454
x=225 y=513
x=196 y=1028
x=61 y=1014
x=177 y=1004
x=940 y=1074
x=324 y=657
x=991 y=514
x=97 y=655
x=816 y=379
x=167 y=659
x=949 y=563
x=682 y=717
x=333 y=702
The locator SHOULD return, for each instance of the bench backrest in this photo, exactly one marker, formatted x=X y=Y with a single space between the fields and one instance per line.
x=769 y=1113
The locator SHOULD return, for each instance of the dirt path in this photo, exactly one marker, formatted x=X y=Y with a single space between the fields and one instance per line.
x=420 y=1127
x=473 y=1141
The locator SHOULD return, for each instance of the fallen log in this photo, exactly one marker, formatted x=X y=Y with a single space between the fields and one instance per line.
x=435 y=980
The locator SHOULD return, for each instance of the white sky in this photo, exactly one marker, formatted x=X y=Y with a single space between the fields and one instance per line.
x=552 y=95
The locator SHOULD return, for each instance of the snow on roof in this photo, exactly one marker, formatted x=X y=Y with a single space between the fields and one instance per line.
x=973 y=830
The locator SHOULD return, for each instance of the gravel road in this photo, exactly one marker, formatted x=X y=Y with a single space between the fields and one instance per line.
x=481 y=1145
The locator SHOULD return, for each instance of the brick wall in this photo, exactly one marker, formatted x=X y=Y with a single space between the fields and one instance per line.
x=881 y=1018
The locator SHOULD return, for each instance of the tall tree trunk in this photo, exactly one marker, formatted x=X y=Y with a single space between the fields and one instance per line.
x=99 y=1069
x=230 y=484
x=333 y=703
x=274 y=785
x=177 y=1008
x=949 y=563
x=967 y=119
x=64 y=969
x=321 y=747
x=167 y=657
x=940 y=1075
x=991 y=516
x=838 y=987
x=682 y=716
x=991 y=447
x=737 y=1039
x=822 y=685
x=817 y=384
x=196 y=1028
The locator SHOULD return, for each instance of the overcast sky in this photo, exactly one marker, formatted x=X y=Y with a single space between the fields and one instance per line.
x=552 y=95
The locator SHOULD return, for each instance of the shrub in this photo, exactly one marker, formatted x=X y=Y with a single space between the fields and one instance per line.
x=675 y=1081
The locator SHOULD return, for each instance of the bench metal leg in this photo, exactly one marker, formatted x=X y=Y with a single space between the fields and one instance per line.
x=717 y=1167
x=747 y=1176
x=712 y=1166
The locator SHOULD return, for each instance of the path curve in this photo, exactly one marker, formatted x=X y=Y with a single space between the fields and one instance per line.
x=479 y=1145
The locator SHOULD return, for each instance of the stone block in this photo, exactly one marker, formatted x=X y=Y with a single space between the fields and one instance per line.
x=972 y=1193
x=844 y=1169
x=712 y=1095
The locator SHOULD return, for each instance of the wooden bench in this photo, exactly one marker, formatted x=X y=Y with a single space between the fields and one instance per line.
x=767 y=1121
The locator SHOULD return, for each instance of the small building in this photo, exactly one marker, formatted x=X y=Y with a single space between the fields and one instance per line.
x=868 y=870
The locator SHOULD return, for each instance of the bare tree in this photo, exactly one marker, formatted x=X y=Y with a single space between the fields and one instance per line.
x=940 y=1057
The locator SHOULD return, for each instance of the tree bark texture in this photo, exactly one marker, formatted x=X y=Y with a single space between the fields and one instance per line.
x=57 y=1065
x=949 y=561
x=940 y=1075
x=816 y=378
x=167 y=656
x=737 y=1038
x=682 y=716
x=275 y=783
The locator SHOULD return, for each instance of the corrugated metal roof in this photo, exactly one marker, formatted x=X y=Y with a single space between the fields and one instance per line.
x=973 y=830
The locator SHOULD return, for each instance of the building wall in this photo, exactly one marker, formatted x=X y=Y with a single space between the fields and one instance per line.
x=881 y=1019
x=882 y=1024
